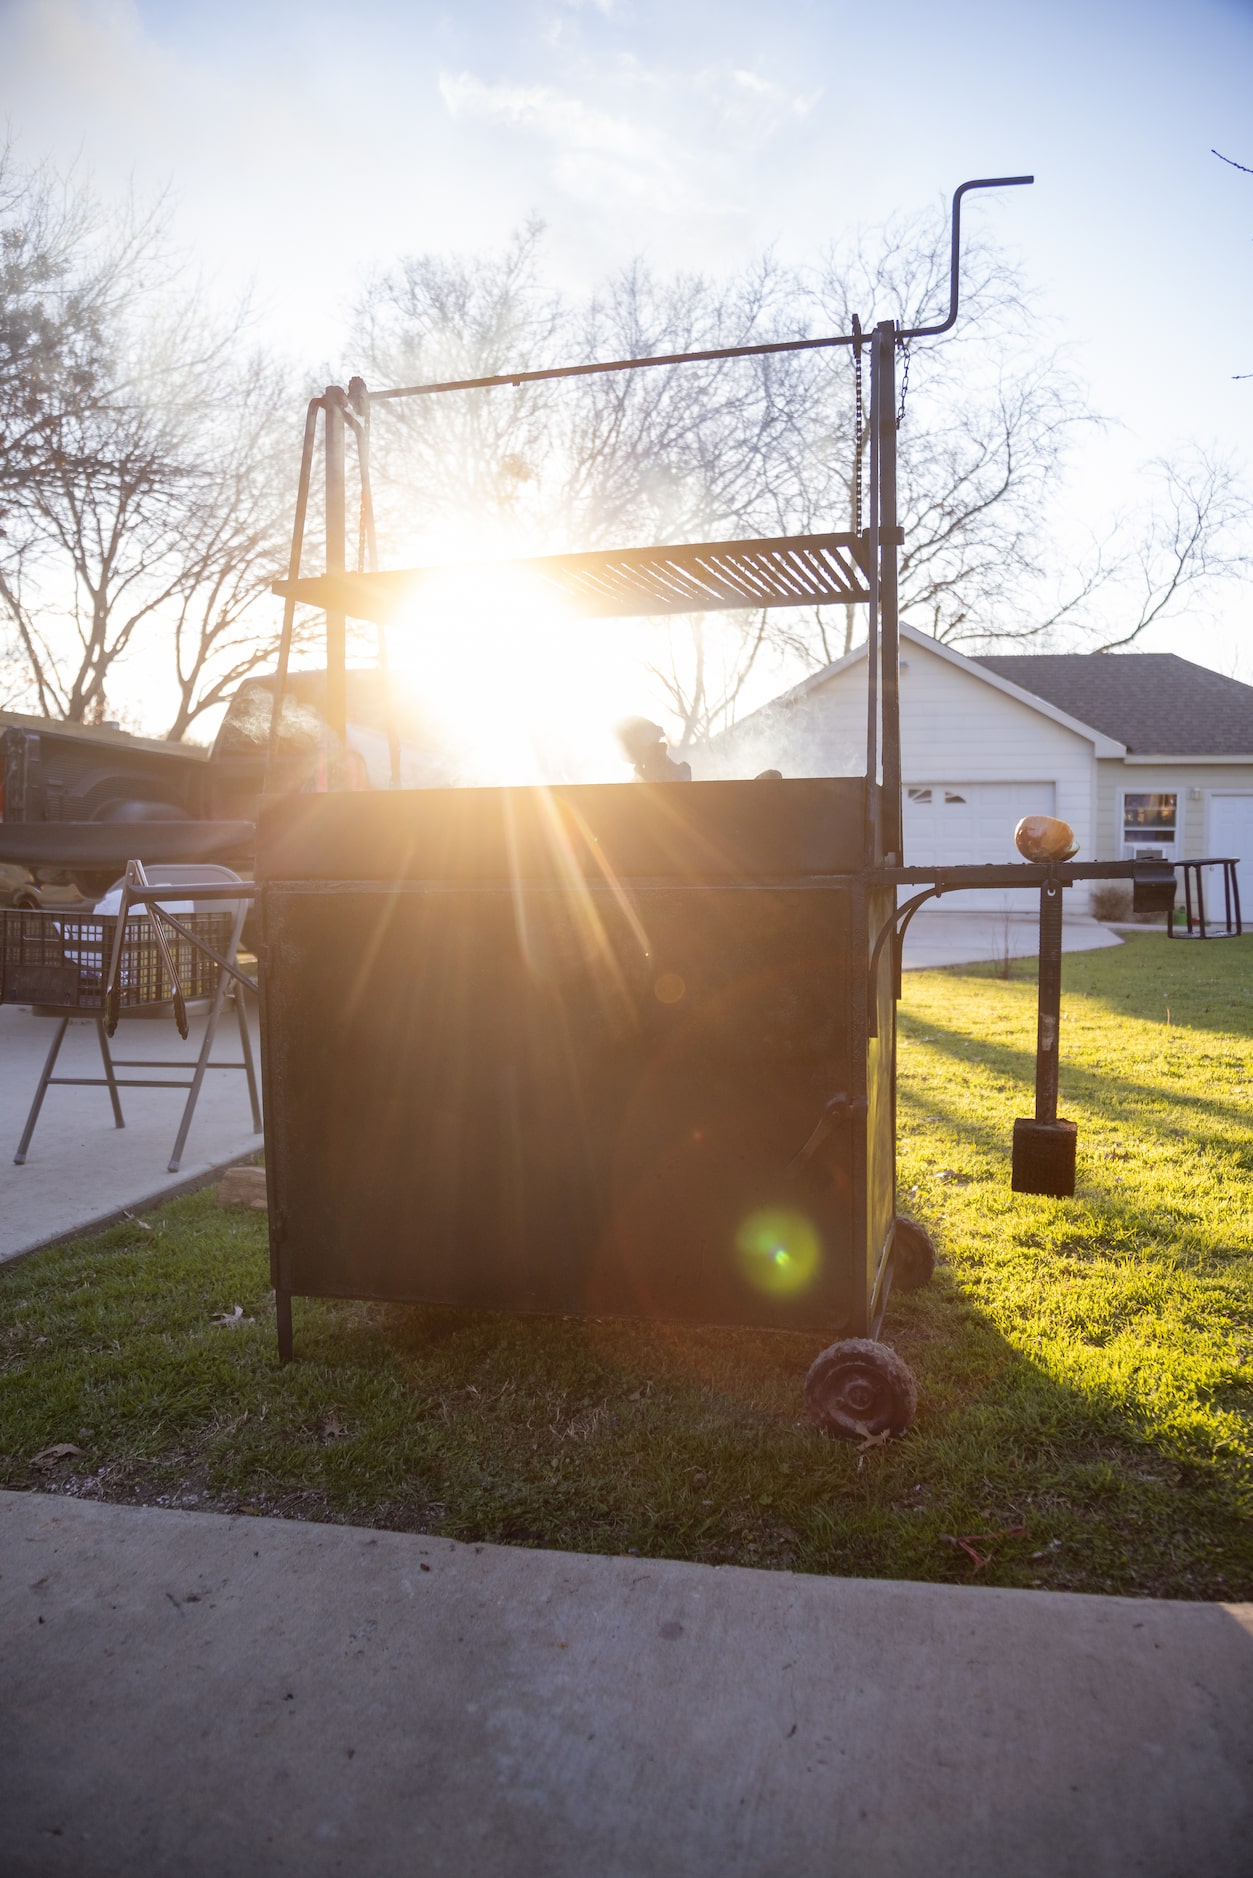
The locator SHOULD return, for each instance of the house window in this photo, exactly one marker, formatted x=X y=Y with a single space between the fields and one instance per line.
x=1149 y=822
x=919 y=795
x=951 y=795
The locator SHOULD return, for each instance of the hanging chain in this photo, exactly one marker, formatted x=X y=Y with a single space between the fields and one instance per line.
x=859 y=426
x=900 y=414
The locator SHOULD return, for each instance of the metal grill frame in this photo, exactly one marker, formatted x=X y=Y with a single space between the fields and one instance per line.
x=661 y=579
x=625 y=583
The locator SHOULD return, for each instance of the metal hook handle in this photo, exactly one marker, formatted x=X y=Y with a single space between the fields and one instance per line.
x=954 y=275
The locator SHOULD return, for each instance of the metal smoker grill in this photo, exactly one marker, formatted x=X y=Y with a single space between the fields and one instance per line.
x=618 y=1049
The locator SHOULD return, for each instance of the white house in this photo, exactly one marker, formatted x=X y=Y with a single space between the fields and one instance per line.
x=1142 y=753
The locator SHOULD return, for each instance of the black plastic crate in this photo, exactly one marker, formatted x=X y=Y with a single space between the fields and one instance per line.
x=61 y=959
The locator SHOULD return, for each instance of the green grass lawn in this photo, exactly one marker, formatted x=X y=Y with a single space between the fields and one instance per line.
x=1085 y=1366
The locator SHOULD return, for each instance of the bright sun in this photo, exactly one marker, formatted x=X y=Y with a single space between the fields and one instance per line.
x=519 y=689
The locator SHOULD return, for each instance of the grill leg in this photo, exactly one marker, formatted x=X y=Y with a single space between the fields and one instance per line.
x=20 y=1157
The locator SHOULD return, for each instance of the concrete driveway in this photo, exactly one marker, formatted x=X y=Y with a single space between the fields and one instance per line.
x=945 y=936
x=80 y=1169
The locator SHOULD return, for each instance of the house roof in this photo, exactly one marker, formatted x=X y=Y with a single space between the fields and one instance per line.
x=1080 y=723
x=1156 y=703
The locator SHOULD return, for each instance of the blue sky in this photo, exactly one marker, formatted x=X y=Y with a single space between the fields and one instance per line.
x=306 y=142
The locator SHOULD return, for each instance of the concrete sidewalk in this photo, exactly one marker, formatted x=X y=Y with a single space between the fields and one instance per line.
x=80 y=1169
x=214 y=1697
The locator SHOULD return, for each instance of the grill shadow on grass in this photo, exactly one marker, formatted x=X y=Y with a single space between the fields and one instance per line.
x=592 y=1436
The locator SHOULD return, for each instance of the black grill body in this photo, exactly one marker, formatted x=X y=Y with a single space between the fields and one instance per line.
x=596 y=1050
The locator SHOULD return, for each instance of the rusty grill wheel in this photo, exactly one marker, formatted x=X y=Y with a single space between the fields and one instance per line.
x=860 y=1389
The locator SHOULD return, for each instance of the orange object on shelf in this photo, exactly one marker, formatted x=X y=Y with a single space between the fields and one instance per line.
x=1045 y=838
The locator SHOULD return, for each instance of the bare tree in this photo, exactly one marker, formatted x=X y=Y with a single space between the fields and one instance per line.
x=768 y=446
x=703 y=676
x=60 y=285
x=765 y=445
x=99 y=551
x=1194 y=536
x=1245 y=171
x=986 y=416
x=142 y=501
x=706 y=453
x=661 y=454
x=439 y=461
x=221 y=623
x=654 y=456
x=57 y=293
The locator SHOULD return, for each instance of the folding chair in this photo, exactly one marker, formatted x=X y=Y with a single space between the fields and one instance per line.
x=79 y=971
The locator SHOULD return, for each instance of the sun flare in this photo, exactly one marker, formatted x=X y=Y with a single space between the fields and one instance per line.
x=518 y=688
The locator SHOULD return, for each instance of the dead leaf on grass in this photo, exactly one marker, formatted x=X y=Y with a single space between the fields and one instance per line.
x=234 y=1316
x=136 y=1221
x=967 y=1542
x=955 y=1175
x=47 y=1458
x=330 y=1428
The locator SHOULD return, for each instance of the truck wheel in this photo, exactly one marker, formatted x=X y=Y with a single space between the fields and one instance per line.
x=860 y=1388
x=913 y=1255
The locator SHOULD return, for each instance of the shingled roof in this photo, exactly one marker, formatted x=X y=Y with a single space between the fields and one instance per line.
x=1155 y=703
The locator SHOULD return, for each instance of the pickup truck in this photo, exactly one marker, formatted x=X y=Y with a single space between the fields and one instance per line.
x=78 y=801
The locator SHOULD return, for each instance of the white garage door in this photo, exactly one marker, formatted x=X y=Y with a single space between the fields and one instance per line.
x=962 y=824
x=1231 y=833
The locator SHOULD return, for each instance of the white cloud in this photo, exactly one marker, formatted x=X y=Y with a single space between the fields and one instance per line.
x=597 y=155
x=753 y=81
x=750 y=100
x=674 y=154
x=563 y=119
